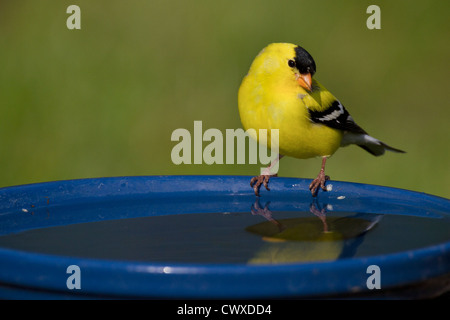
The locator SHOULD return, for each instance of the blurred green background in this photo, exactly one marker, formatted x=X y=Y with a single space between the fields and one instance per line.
x=104 y=100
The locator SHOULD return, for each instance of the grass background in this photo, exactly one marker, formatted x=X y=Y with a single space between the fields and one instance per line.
x=104 y=100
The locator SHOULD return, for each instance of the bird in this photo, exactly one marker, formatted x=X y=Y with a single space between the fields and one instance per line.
x=280 y=92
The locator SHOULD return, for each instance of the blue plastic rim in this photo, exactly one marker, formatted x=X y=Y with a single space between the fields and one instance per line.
x=34 y=275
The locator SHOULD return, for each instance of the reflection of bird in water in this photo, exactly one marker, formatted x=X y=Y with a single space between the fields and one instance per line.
x=266 y=213
x=321 y=214
x=309 y=238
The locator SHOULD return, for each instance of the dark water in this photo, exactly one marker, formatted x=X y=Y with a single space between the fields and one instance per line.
x=257 y=236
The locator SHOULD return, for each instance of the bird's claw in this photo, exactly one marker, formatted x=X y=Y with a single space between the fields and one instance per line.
x=318 y=182
x=256 y=183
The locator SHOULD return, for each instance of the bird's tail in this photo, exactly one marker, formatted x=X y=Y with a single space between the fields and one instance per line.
x=368 y=143
x=378 y=149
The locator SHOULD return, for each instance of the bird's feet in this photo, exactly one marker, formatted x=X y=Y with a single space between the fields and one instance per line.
x=263 y=179
x=318 y=182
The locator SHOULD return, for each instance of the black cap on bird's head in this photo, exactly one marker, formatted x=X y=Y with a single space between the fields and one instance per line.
x=304 y=61
x=305 y=64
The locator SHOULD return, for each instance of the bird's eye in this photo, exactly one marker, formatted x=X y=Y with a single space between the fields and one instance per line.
x=291 y=63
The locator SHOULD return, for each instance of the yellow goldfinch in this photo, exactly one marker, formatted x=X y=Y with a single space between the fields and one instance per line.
x=279 y=92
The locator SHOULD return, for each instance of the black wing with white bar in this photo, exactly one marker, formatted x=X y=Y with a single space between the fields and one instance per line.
x=336 y=117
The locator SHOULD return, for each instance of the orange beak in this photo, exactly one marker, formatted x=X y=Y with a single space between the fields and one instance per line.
x=305 y=81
